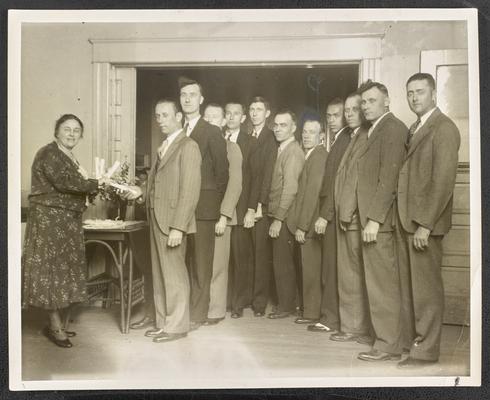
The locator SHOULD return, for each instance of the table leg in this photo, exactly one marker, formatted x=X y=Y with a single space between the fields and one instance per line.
x=130 y=289
x=121 y=286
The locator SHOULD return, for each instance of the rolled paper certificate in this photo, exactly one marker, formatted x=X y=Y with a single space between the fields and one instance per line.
x=102 y=166
x=97 y=169
x=113 y=169
x=124 y=188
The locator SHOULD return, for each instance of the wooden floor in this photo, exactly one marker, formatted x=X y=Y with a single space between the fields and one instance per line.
x=239 y=352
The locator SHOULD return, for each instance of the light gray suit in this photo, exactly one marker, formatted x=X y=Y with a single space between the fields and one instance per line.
x=171 y=197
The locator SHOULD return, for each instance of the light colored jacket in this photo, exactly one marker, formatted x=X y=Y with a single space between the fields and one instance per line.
x=174 y=184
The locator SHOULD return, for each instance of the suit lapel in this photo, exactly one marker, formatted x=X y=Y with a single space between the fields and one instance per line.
x=422 y=133
x=171 y=149
x=376 y=133
x=197 y=128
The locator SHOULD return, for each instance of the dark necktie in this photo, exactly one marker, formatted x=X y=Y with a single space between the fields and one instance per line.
x=412 y=130
x=186 y=127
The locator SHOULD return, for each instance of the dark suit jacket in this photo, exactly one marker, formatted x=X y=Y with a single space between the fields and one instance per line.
x=427 y=177
x=214 y=169
x=262 y=161
x=305 y=208
x=247 y=145
x=377 y=168
x=327 y=210
x=173 y=186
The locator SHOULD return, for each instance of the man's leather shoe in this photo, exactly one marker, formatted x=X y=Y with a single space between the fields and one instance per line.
x=319 y=327
x=278 y=315
x=301 y=320
x=412 y=363
x=168 y=337
x=237 y=314
x=213 y=321
x=344 y=337
x=195 y=325
x=376 y=355
x=143 y=323
x=154 y=332
x=259 y=313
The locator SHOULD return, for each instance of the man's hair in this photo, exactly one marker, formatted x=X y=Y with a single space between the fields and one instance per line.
x=351 y=95
x=419 y=76
x=216 y=105
x=176 y=106
x=184 y=81
x=312 y=119
x=369 y=84
x=288 y=111
x=260 y=99
x=337 y=101
x=244 y=110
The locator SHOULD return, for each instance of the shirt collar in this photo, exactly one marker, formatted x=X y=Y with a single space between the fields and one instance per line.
x=308 y=153
x=192 y=123
x=375 y=123
x=172 y=136
x=232 y=136
x=283 y=145
x=67 y=152
x=425 y=117
x=258 y=132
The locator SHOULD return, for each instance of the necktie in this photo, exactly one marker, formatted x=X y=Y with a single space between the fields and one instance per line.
x=186 y=128
x=412 y=130
x=162 y=149
x=254 y=134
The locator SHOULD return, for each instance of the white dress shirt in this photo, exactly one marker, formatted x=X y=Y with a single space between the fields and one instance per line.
x=167 y=142
x=191 y=124
x=424 y=118
x=232 y=136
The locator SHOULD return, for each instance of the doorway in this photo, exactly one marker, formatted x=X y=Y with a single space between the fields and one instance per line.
x=305 y=89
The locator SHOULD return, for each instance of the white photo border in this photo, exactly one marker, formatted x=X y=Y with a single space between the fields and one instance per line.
x=18 y=17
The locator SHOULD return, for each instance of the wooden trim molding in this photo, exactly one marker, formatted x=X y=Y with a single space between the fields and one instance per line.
x=238 y=49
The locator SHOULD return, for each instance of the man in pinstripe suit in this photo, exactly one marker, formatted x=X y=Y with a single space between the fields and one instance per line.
x=171 y=199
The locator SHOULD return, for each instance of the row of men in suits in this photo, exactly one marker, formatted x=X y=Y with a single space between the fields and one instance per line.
x=368 y=218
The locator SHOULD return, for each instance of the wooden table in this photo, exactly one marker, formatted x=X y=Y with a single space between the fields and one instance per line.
x=119 y=242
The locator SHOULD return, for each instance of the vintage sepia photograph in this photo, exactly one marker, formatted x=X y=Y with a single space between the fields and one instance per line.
x=243 y=198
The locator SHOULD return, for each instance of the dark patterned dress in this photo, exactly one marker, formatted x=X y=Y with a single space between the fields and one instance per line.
x=53 y=261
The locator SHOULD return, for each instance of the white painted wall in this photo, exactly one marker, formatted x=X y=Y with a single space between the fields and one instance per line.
x=57 y=69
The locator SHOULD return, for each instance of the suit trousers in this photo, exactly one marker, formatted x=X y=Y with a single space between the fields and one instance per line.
x=219 y=281
x=200 y=264
x=422 y=295
x=170 y=281
x=262 y=244
x=242 y=267
x=383 y=290
x=283 y=255
x=353 y=302
x=329 y=309
x=311 y=270
x=140 y=242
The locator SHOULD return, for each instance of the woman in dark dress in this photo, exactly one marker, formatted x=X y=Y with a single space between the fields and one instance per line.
x=53 y=261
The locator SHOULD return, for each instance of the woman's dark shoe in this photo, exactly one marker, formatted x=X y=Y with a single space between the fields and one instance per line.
x=51 y=335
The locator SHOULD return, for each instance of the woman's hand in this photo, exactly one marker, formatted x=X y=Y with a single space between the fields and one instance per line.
x=103 y=180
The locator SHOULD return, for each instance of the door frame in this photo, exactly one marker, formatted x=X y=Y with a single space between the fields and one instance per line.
x=113 y=130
